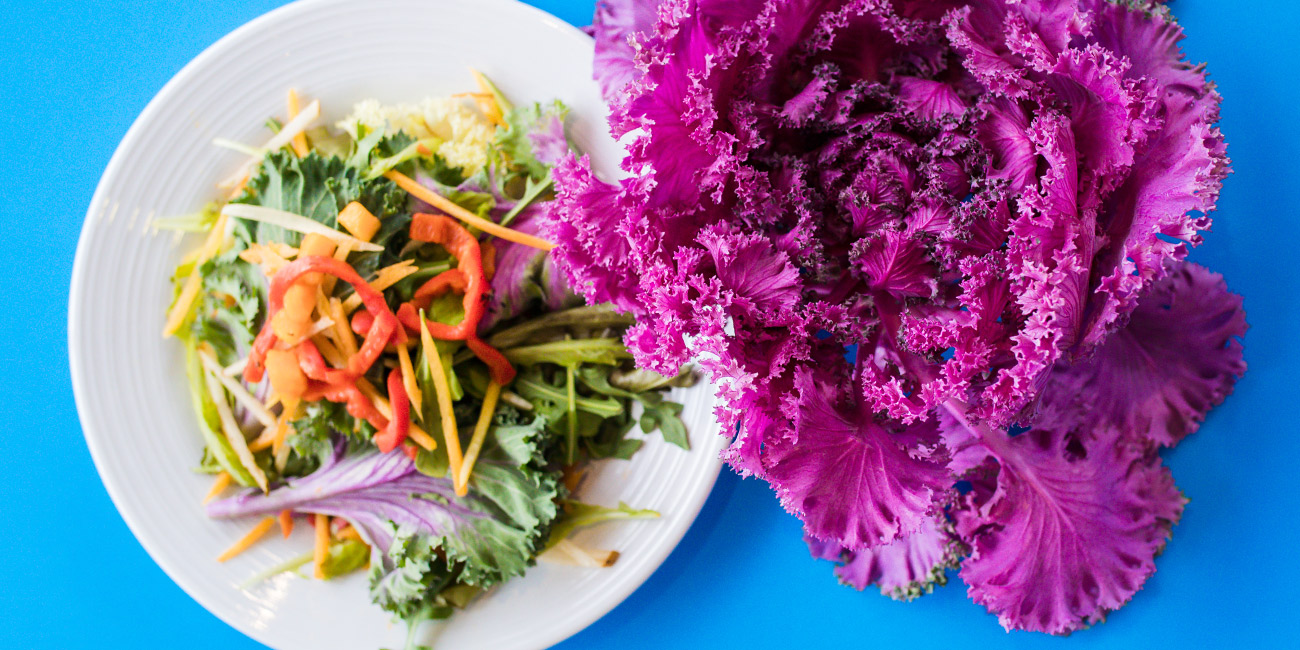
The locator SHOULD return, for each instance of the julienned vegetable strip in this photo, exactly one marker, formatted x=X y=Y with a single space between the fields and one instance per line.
x=232 y=432
x=322 y=548
x=399 y=417
x=480 y=430
x=449 y=432
x=286 y=522
x=218 y=486
x=185 y=301
x=409 y=381
x=299 y=140
x=237 y=389
x=248 y=540
x=438 y=201
x=291 y=128
x=296 y=223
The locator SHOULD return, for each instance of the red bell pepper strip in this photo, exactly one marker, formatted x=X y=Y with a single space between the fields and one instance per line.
x=362 y=320
x=358 y=405
x=373 y=300
x=498 y=366
x=460 y=243
x=411 y=451
x=399 y=425
x=313 y=365
x=408 y=315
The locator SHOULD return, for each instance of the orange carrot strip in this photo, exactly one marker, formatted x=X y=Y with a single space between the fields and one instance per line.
x=218 y=486
x=322 y=545
x=286 y=522
x=248 y=540
x=442 y=203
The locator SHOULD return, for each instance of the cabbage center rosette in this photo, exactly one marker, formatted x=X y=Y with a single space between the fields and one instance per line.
x=988 y=203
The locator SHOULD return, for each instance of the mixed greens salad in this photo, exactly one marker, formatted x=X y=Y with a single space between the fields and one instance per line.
x=378 y=345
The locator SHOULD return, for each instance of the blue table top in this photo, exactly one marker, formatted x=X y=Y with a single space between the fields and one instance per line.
x=74 y=76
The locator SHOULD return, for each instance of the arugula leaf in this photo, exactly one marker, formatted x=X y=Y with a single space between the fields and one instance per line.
x=570 y=353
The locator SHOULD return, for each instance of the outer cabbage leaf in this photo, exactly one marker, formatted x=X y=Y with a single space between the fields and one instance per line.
x=903 y=569
x=1061 y=531
x=1178 y=356
x=852 y=480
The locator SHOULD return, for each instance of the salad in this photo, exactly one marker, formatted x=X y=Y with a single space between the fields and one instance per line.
x=379 y=346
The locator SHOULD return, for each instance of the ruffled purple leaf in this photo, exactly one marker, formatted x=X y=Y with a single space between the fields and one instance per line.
x=903 y=569
x=850 y=479
x=1179 y=355
x=1061 y=531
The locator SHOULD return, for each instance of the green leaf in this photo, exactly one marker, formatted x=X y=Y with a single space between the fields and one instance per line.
x=533 y=190
x=317 y=188
x=344 y=557
x=593 y=317
x=576 y=514
x=514 y=141
x=532 y=387
x=666 y=417
x=218 y=448
x=570 y=353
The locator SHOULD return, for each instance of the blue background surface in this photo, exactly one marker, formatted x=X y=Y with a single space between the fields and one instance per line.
x=74 y=75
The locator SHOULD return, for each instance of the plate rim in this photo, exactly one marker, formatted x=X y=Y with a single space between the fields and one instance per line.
x=93 y=435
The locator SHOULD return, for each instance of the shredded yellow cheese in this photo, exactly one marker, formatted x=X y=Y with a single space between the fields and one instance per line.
x=248 y=540
x=480 y=430
x=218 y=486
x=442 y=203
x=449 y=433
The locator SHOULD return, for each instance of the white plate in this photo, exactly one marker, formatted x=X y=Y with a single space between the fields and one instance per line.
x=129 y=382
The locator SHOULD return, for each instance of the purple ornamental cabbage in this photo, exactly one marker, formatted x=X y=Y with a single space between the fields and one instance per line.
x=989 y=203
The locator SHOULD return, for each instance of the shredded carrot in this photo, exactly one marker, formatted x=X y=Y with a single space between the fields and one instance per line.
x=346 y=340
x=265 y=439
x=480 y=430
x=443 y=391
x=487 y=101
x=286 y=523
x=185 y=301
x=349 y=532
x=442 y=203
x=299 y=141
x=322 y=545
x=282 y=426
x=408 y=381
x=384 y=278
x=218 y=486
x=248 y=540
x=266 y=257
